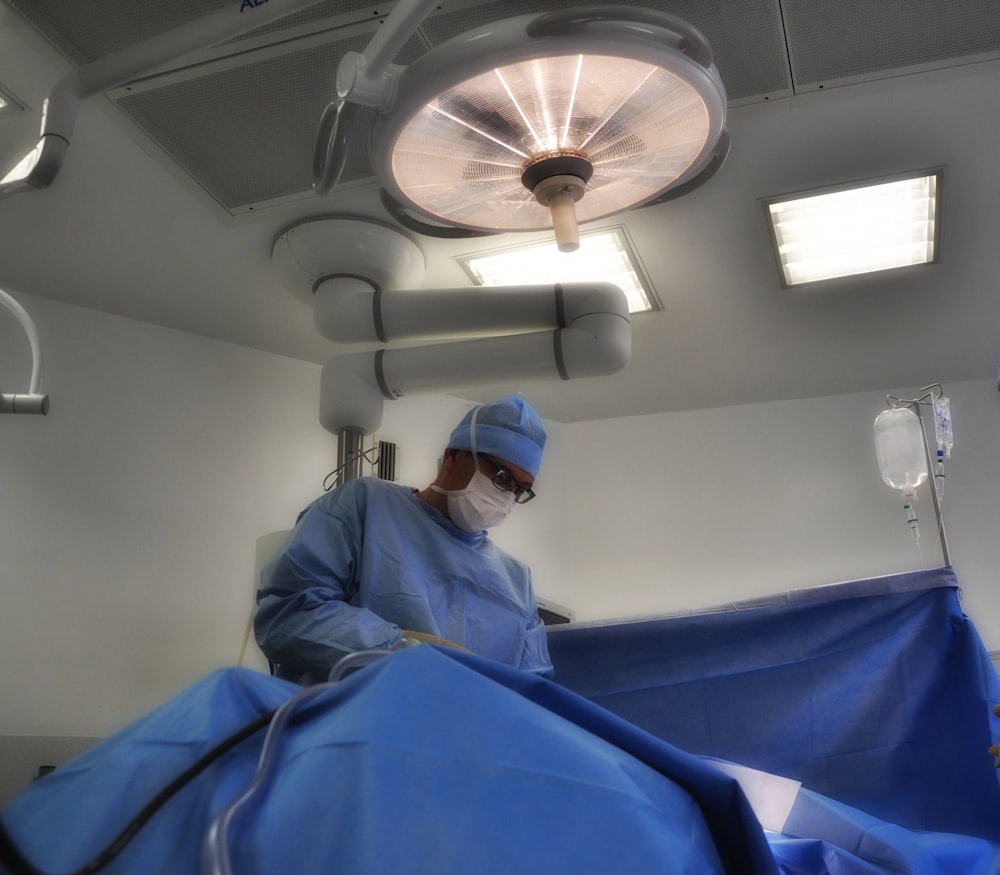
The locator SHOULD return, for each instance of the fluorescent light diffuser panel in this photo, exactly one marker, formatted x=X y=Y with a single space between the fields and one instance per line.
x=872 y=227
x=8 y=105
x=603 y=255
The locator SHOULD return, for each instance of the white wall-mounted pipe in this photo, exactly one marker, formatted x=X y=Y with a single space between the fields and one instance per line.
x=588 y=334
x=32 y=401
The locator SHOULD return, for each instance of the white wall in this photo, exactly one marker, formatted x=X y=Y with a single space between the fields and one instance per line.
x=684 y=510
x=129 y=516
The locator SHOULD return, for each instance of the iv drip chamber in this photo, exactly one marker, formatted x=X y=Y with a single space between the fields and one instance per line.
x=899 y=448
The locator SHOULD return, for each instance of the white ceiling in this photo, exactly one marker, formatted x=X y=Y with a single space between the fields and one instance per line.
x=123 y=229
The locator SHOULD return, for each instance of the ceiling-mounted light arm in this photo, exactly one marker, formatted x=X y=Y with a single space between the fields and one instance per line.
x=350 y=272
x=39 y=167
x=691 y=41
x=32 y=401
x=363 y=79
x=585 y=333
x=366 y=77
x=349 y=310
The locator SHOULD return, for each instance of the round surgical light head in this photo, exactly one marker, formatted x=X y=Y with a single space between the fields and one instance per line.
x=540 y=121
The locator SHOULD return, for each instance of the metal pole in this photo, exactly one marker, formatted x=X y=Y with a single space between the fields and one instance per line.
x=349 y=453
x=946 y=555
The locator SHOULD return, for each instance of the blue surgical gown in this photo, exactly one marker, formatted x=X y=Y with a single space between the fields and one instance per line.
x=370 y=559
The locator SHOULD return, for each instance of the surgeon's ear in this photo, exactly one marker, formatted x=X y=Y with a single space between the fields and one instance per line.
x=455 y=460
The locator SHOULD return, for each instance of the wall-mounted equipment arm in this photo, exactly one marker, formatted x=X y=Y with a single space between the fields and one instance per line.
x=31 y=401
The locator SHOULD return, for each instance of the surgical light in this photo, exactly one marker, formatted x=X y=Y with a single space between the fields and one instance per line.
x=860 y=229
x=536 y=122
x=604 y=255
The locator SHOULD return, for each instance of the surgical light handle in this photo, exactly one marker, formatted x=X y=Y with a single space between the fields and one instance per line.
x=33 y=401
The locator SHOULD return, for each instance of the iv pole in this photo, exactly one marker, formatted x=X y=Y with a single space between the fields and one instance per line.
x=915 y=404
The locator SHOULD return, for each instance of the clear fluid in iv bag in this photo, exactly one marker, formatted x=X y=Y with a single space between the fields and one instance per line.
x=899 y=448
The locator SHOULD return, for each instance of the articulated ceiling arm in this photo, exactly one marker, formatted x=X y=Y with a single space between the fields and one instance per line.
x=361 y=277
x=557 y=332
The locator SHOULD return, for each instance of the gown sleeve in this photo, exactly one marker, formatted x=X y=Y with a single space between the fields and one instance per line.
x=303 y=621
x=535 y=652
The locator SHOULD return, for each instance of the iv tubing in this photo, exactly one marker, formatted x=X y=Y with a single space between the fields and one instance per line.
x=29 y=328
x=215 y=850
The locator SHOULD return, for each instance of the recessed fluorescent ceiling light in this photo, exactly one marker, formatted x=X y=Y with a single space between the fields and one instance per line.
x=603 y=255
x=855 y=230
x=8 y=105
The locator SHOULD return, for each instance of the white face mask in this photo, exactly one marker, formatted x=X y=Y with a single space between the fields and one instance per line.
x=479 y=506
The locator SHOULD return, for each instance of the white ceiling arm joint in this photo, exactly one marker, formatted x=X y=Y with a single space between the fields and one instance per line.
x=349 y=394
x=594 y=345
x=597 y=337
x=357 y=84
x=583 y=299
x=343 y=308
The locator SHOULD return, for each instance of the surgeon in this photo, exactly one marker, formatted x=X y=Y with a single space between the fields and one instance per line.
x=374 y=564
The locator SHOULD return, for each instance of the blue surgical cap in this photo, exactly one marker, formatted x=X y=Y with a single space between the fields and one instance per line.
x=508 y=429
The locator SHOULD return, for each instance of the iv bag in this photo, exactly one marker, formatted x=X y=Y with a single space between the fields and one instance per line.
x=942 y=425
x=899 y=448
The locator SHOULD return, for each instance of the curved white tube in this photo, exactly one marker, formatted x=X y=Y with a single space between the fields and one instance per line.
x=32 y=401
x=29 y=328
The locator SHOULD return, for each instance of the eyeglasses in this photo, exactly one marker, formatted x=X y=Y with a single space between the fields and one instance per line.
x=505 y=482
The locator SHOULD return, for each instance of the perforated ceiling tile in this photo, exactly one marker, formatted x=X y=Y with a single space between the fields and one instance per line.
x=84 y=32
x=247 y=146
x=858 y=38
